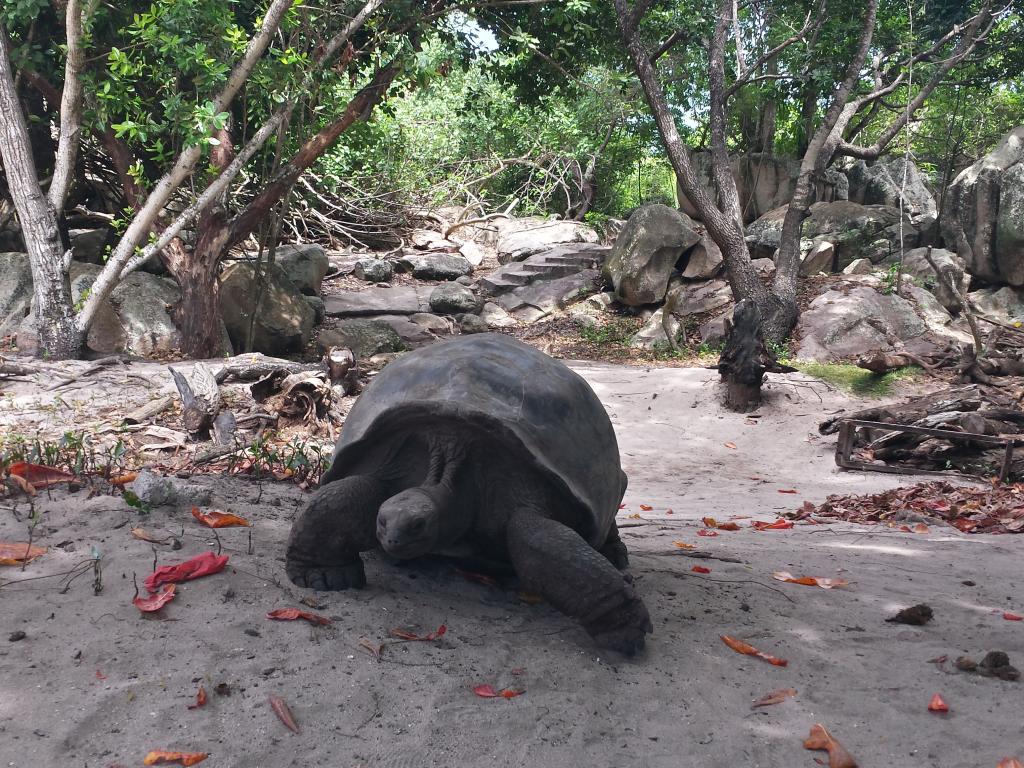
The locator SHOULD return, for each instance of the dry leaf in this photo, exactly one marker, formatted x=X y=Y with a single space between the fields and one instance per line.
x=731 y=446
x=1012 y=616
x=128 y=477
x=741 y=647
x=291 y=614
x=402 y=634
x=200 y=699
x=205 y=564
x=937 y=704
x=155 y=602
x=810 y=581
x=143 y=535
x=217 y=519
x=17 y=552
x=284 y=714
x=921 y=528
x=778 y=525
x=710 y=522
x=706 y=532
x=838 y=757
x=683 y=545
x=1010 y=762
x=37 y=475
x=775 y=697
x=486 y=691
x=646 y=507
x=700 y=569
x=24 y=484
x=634 y=516
x=159 y=756
x=787 y=490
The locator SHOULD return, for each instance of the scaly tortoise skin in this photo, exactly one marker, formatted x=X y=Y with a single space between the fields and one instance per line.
x=481 y=444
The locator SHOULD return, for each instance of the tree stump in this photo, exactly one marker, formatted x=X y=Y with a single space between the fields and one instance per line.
x=200 y=399
x=746 y=359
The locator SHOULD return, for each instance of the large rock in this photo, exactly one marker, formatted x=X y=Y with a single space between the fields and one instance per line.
x=306 y=265
x=90 y=245
x=436 y=266
x=1004 y=303
x=532 y=302
x=840 y=325
x=859 y=231
x=916 y=265
x=764 y=183
x=642 y=259
x=284 y=320
x=519 y=238
x=882 y=182
x=764 y=235
x=698 y=298
x=15 y=291
x=652 y=334
x=453 y=299
x=380 y=300
x=983 y=213
x=704 y=260
x=364 y=337
x=557 y=261
x=374 y=270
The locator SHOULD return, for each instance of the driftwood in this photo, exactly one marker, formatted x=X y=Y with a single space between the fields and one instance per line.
x=256 y=366
x=746 y=359
x=148 y=410
x=200 y=399
x=305 y=396
x=13 y=369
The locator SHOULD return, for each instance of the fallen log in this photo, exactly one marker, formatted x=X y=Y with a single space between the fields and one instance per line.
x=148 y=410
x=253 y=367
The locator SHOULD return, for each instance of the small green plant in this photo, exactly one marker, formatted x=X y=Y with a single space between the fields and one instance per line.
x=616 y=331
x=859 y=381
x=890 y=279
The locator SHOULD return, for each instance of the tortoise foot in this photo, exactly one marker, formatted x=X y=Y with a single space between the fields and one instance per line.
x=623 y=629
x=327 y=578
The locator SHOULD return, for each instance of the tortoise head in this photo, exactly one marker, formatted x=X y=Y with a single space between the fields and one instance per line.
x=409 y=523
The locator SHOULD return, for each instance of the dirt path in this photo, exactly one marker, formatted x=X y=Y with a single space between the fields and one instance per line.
x=95 y=684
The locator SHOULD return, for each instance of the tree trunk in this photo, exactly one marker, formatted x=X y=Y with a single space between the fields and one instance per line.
x=59 y=338
x=197 y=313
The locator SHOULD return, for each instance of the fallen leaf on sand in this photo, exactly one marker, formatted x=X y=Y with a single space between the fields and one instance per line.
x=775 y=697
x=128 y=477
x=1012 y=616
x=17 y=552
x=1010 y=762
x=100 y=675
x=39 y=476
x=402 y=634
x=740 y=647
x=778 y=525
x=284 y=714
x=486 y=691
x=646 y=507
x=205 y=564
x=155 y=602
x=218 y=519
x=810 y=581
x=24 y=484
x=683 y=545
x=200 y=699
x=838 y=757
x=731 y=446
x=479 y=578
x=706 y=532
x=634 y=516
x=143 y=535
x=291 y=614
x=787 y=490
x=710 y=522
x=700 y=569
x=159 y=756
x=622 y=506
x=921 y=528
x=937 y=704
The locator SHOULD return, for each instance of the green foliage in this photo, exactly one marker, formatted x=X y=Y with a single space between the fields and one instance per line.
x=859 y=381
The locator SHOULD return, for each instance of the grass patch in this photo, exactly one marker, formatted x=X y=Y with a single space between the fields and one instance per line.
x=850 y=378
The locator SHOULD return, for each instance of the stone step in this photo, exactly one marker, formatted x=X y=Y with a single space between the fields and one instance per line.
x=494 y=284
x=549 y=271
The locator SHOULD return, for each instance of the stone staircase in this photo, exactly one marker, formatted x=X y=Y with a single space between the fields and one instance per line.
x=557 y=262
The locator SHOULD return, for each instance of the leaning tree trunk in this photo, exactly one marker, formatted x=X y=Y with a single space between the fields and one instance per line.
x=59 y=337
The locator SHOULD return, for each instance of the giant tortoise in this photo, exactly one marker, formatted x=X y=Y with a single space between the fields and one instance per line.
x=484 y=444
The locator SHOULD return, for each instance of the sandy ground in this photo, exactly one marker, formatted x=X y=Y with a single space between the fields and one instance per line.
x=95 y=684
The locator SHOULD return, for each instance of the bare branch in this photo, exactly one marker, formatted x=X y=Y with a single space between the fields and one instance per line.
x=670 y=42
x=745 y=75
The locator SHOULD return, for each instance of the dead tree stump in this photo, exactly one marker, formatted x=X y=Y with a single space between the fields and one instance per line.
x=200 y=399
x=746 y=359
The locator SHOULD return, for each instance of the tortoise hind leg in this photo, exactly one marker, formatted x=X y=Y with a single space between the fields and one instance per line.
x=614 y=549
x=338 y=522
x=556 y=562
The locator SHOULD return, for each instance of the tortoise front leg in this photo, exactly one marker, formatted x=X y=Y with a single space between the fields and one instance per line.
x=556 y=562
x=338 y=522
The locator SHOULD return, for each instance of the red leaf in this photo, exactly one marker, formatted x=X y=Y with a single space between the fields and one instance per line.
x=778 y=525
x=731 y=446
x=838 y=757
x=159 y=756
x=1012 y=616
x=217 y=519
x=403 y=634
x=16 y=552
x=1010 y=762
x=710 y=522
x=937 y=704
x=706 y=532
x=509 y=693
x=100 y=675
x=810 y=581
x=740 y=647
x=646 y=507
x=284 y=714
x=622 y=506
x=479 y=578
x=787 y=490
x=205 y=564
x=155 y=602
x=775 y=697
x=37 y=475
x=700 y=569
x=200 y=699
x=485 y=691
x=291 y=614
